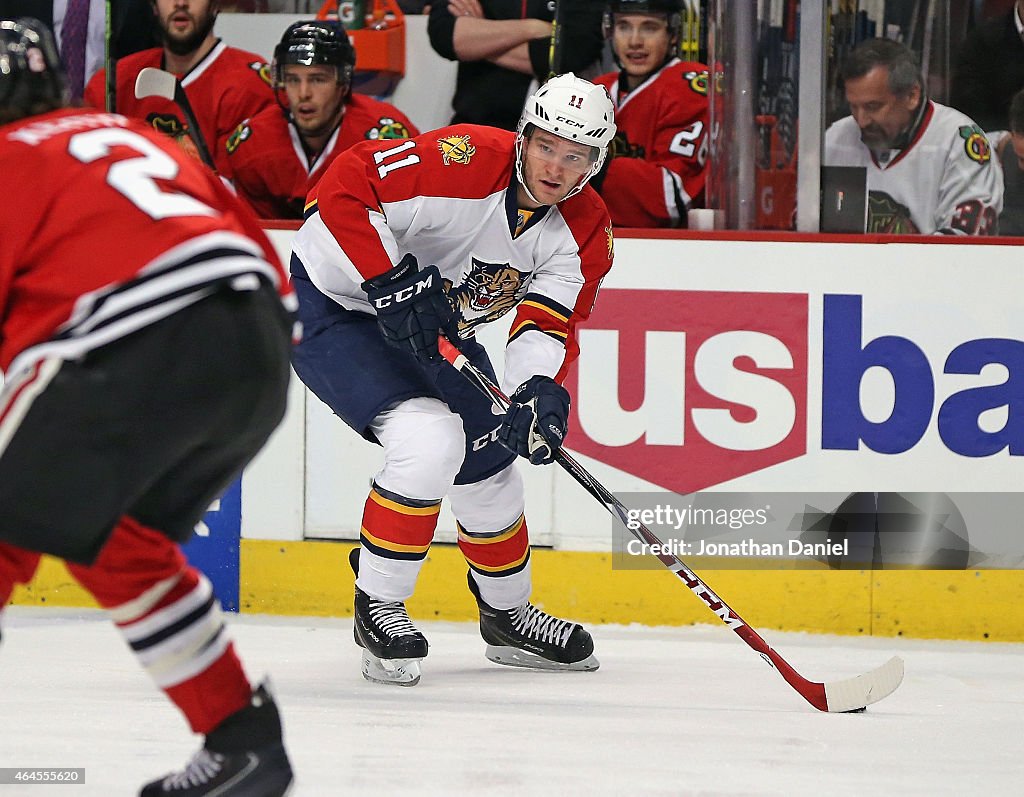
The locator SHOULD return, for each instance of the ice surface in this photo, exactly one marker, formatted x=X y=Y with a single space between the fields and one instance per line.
x=673 y=711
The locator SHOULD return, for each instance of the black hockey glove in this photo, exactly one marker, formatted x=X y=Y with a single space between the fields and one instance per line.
x=412 y=307
x=534 y=425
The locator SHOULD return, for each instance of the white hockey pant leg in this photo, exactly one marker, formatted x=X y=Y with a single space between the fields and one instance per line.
x=424 y=445
x=484 y=508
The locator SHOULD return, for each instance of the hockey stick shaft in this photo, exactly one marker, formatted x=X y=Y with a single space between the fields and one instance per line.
x=851 y=695
x=555 y=47
x=110 y=74
x=181 y=100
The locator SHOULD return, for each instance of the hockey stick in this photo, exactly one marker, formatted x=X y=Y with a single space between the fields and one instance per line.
x=850 y=695
x=153 y=82
x=110 y=89
x=555 y=47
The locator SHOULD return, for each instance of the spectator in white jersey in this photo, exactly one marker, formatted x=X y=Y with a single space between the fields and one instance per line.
x=930 y=168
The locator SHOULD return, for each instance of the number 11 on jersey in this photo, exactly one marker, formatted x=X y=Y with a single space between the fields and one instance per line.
x=383 y=169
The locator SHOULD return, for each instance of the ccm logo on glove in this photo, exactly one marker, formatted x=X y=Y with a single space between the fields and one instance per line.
x=405 y=294
x=412 y=307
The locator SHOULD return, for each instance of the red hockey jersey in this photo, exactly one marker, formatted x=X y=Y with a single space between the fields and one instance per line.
x=224 y=88
x=661 y=148
x=269 y=167
x=118 y=228
x=449 y=198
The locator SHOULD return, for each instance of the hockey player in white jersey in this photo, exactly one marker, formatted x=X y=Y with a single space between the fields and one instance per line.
x=930 y=168
x=442 y=233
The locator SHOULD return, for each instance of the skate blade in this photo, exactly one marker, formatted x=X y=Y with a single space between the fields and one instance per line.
x=393 y=672
x=514 y=657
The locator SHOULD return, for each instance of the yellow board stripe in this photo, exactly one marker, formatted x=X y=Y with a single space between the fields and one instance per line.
x=392 y=546
x=512 y=532
x=403 y=509
x=311 y=577
x=499 y=568
x=530 y=303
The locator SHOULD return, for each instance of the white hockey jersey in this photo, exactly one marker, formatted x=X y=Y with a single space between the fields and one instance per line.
x=445 y=197
x=944 y=181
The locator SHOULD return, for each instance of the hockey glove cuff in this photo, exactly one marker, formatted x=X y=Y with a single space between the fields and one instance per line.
x=412 y=307
x=534 y=425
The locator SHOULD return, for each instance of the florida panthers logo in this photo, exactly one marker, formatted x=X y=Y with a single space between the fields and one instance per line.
x=456 y=149
x=487 y=292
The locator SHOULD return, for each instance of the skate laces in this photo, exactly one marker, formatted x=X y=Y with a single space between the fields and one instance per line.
x=203 y=768
x=391 y=618
x=530 y=621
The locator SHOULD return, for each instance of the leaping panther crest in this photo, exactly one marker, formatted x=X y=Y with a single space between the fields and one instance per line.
x=487 y=292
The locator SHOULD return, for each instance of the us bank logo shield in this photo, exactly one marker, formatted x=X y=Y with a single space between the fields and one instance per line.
x=691 y=389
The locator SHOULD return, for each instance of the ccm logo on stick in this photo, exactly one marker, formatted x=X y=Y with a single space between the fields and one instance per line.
x=718 y=383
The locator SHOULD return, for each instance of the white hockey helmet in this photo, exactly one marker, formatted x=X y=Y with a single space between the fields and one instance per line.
x=574 y=109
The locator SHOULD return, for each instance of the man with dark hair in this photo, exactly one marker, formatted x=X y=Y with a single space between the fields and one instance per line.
x=502 y=46
x=275 y=158
x=989 y=69
x=144 y=343
x=224 y=85
x=929 y=167
x=657 y=164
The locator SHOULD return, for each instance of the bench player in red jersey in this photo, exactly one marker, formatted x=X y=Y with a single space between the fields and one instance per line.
x=658 y=162
x=224 y=85
x=275 y=158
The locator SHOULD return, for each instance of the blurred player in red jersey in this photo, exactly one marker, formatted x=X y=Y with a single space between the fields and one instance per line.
x=657 y=165
x=224 y=85
x=499 y=221
x=145 y=342
x=275 y=158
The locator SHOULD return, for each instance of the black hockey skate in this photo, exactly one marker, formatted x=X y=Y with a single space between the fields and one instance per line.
x=527 y=637
x=392 y=645
x=242 y=757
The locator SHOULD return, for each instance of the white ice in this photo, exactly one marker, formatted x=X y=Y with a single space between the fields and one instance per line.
x=673 y=711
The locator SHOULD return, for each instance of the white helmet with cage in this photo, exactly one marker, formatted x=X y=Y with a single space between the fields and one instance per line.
x=574 y=109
